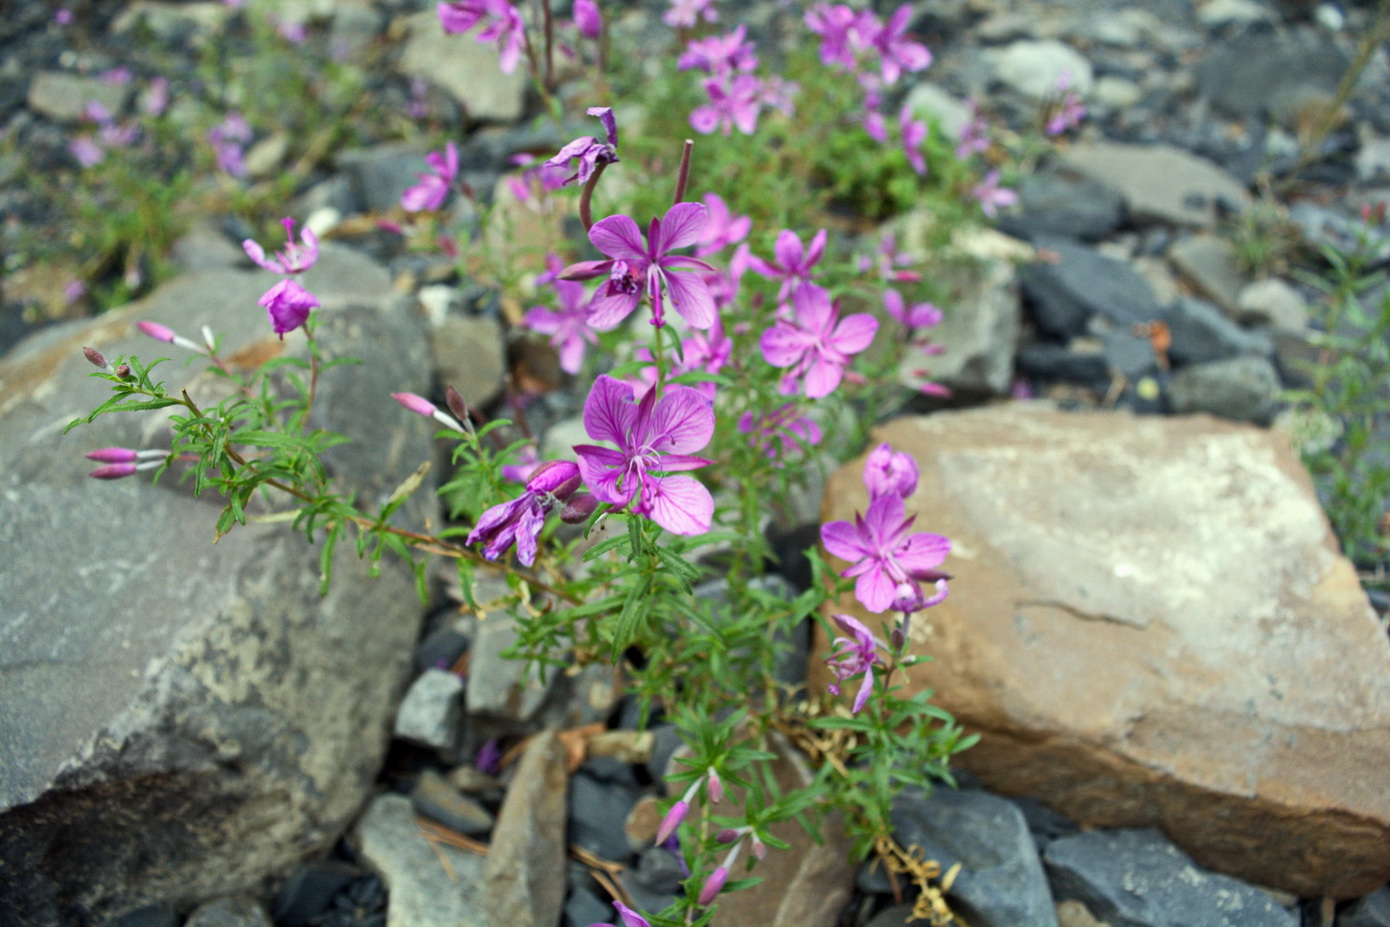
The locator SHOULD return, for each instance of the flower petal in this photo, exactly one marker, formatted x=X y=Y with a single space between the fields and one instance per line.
x=610 y=411
x=692 y=299
x=601 y=468
x=619 y=238
x=875 y=590
x=683 y=225
x=841 y=539
x=683 y=421
x=680 y=504
x=854 y=333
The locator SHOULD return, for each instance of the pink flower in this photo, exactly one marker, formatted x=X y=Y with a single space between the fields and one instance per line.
x=520 y=520
x=974 y=135
x=629 y=917
x=888 y=561
x=587 y=18
x=568 y=326
x=792 y=262
x=722 y=228
x=733 y=103
x=842 y=33
x=781 y=432
x=508 y=31
x=157 y=96
x=853 y=655
x=653 y=438
x=433 y=189
x=589 y=151
x=87 y=152
x=914 y=133
x=683 y=14
x=990 y=197
x=461 y=15
x=228 y=138
x=714 y=885
x=897 y=52
x=529 y=464
x=816 y=344
x=288 y=305
x=720 y=55
x=1068 y=110
x=294 y=259
x=636 y=267
x=889 y=472
x=918 y=315
x=169 y=336
x=888 y=260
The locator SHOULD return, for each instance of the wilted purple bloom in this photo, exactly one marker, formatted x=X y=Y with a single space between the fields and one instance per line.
x=587 y=19
x=684 y=13
x=780 y=432
x=288 y=305
x=520 y=520
x=734 y=102
x=991 y=197
x=918 y=315
x=914 y=133
x=294 y=259
x=636 y=267
x=489 y=758
x=897 y=52
x=890 y=472
x=589 y=151
x=568 y=326
x=433 y=189
x=792 y=262
x=722 y=228
x=653 y=438
x=853 y=655
x=720 y=55
x=816 y=344
x=888 y=561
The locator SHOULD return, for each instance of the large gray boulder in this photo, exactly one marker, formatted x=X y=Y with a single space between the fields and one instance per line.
x=181 y=719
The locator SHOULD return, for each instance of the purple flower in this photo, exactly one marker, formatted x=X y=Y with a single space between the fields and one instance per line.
x=508 y=31
x=897 y=52
x=888 y=561
x=990 y=197
x=156 y=98
x=588 y=150
x=889 y=472
x=720 y=55
x=653 y=437
x=914 y=133
x=918 y=315
x=461 y=15
x=433 y=189
x=888 y=260
x=816 y=344
x=288 y=304
x=781 y=432
x=630 y=918
x=722 y=228
x=636 y=267
x=684 y=13
x=521 y=472
x=587 y=18
x=974 y=135
x=853 y=655
x=63 y=17
x=294 y=259
x=1068 y=110
x=228 y=138
x=842 y=33
x=520 y=520
x=792 y=262
x=87 y=152
x=732 y=103
x=568 y=327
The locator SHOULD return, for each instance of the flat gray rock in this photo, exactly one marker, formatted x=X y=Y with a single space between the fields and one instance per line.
x=1159 y=183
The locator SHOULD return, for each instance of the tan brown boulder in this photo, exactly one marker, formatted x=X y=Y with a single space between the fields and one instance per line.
x=1151 y=626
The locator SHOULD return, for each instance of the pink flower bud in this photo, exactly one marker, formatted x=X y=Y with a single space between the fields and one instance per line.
x=672 y=821
x=288 y=304
x=113 y=471
x=156 y=331
x=113 y=455
x=95 y=357
x=715 y=786
x=727 y=835
x=759 y=848
x=417 y=404
x=714 y=885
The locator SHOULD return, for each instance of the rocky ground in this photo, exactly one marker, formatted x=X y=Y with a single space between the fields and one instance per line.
x=1240 y=781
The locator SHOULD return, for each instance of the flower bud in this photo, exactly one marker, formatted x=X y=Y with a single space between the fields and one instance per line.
x=95 y=357
x=759 y=848
x=715 y=786
x=455 y=402
x=113 y=455
x=113 y=471
x=123 y=371
x=672 y=821
x=714 y=885
x=156 y=331
x=417 y=404
x=727 y=835
x=578 y=509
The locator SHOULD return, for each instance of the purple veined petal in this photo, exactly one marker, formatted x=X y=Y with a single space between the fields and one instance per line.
x=817 y=249
x=542 y=320
x=619 y=238
x=823 y=377
x=610 y=411
x=854 y=333
x=682 y=226
x=813 y=308
x=852 y=626
x=841 y=539
x=788 y=250
x=610 y=125
x=602 y=468
x=680 y=504
x=571 y=150
x=586 y=270
x=923 y=551
x=784 y=344
x=875 y=590
x=691 y=298
x=675 y=462
x=682 y=421
x=607 y=312
x=572 y=355
x=885 y=516
x=630 y=918
x=895 y=306
x=865 y=688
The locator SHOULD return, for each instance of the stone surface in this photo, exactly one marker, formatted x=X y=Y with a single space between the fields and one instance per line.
x=598 y=816
x=1033 y=67
x=1273 y=73
x=499 y=689
x=1371 y=911
x=1075 y=283
x=167 y=680
x=1159 y=183
x=1274 y=303
x=435 y=798
x=1242 y=389
x=1137 y=878
x=431 y=711
x=465 y=67
x=232 y=911
x=1209 y=264
x=377 y=176
x=431 y=883
x=1064 y=203
x=1150 y=625
x=65 y=96
x=522 y=882
x=468 y=354
x=1001 y=881
x=1200 y=333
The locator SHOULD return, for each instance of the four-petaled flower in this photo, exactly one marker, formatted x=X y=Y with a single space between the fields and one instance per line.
x=793 y=263
x=897 y=52
x=501 y=22
x=888 y=561
x=918 y=315
x=636 y=267
x=294 y=259
x=850 y=656
x=817 y=343
x=654 y=437
x=991 y=196
x=589 y=150
x=520 y=520
x=433 y=189
x=568 y=327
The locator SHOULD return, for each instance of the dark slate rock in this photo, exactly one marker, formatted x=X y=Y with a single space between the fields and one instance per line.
x=156 y=915
x=440 y=649
x=379 y=175
x=1243 y=389
x=1001 y=881
x=1064 y=203
x=1201 y=333
x=1044 y=823
x=597 y=813
x=1048 y=361
x=231 y=911
x=667 y=740
x=1130 y=355
x=1271 y=73
x=1371 y=911
x=585 y=906
x=310 y=890
x=1083 y=283
x=436 y=798
x=1138 y=878
x=656 y=879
